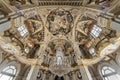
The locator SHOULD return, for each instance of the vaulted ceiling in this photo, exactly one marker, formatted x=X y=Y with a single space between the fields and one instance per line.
x=59 y=35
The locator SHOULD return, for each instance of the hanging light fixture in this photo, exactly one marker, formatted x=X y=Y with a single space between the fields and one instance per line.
x=59 y=64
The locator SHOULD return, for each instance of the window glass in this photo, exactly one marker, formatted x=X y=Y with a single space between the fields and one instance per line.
x=8 y=73
x=5 y=77
x=22 y=30
x=109 y=73
x=96 y=31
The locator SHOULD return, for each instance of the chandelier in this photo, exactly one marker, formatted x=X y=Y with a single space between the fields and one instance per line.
x=59 y=63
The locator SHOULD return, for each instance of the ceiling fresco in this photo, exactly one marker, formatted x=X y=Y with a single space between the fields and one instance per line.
x=60 y=21
x=59 y=39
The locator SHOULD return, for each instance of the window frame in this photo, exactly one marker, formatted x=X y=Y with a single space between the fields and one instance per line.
x=96 y=30
x=9 y=74
x=106 y=76
x=22 y=30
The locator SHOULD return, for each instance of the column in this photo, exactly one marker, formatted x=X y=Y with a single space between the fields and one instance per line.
x=32 y=75
x=88 y=73
x=83 y=73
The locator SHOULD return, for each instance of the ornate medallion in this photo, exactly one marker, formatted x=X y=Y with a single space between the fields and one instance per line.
x=60 y=21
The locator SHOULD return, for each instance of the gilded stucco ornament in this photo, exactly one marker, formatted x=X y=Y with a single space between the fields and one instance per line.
x=57 y=40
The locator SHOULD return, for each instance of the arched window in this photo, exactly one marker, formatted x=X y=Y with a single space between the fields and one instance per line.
x=23 y=30
x=96 y=31
x=8 y=73
x=109 y=73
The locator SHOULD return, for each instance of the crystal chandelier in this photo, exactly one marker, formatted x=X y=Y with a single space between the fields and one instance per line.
x=60 y=65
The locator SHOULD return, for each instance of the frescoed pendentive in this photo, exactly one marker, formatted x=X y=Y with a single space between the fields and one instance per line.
x=60 y=21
